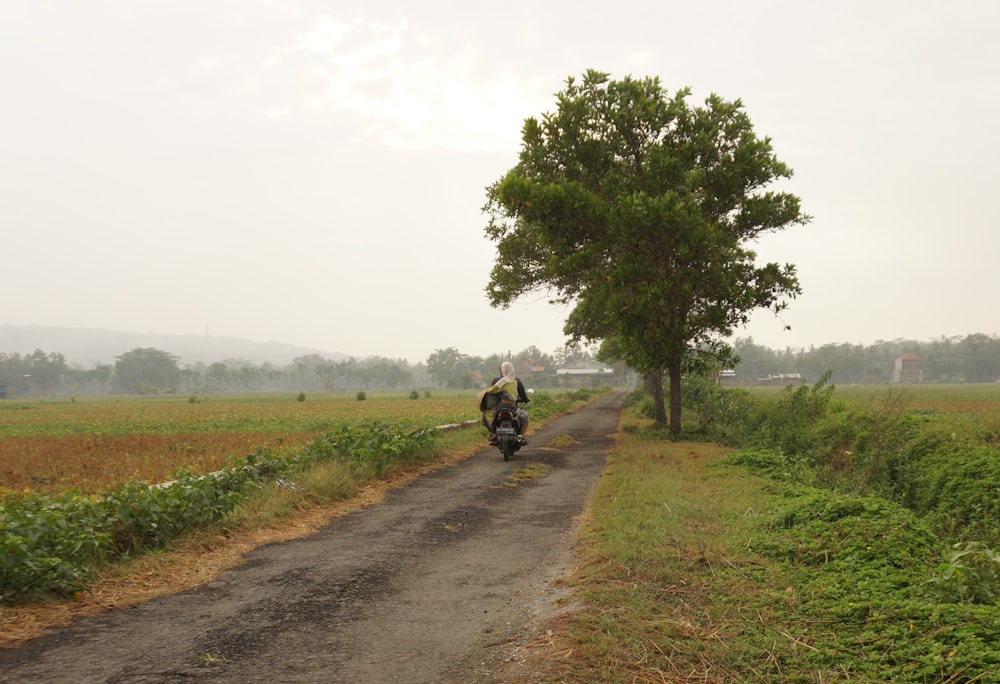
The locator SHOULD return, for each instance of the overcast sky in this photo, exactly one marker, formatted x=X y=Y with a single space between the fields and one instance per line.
x=313 y=172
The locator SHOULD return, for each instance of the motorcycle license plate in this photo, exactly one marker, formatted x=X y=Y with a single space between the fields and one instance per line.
x=506 y=430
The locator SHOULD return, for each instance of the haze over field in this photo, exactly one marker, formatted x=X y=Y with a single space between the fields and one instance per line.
x=313 y=172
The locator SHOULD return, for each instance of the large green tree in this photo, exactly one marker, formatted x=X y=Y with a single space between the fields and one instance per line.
x=146 y=370
x=44 y=372
x=638 y=209
x=446 y=366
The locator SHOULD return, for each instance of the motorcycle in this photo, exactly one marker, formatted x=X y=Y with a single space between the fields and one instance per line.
x=506 y=427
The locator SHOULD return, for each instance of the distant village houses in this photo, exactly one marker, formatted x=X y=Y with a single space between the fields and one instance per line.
x=781 y=380
x=728 y=378
x=586 y=373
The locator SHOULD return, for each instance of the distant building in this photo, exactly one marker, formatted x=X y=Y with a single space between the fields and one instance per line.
x=586 y=367
x=908 y=370
x=3 y=389
x=586 y=372
x=780 y=380
x=527 y=368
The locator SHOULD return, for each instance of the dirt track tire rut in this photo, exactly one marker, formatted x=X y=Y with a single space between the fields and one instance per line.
x=440 y=582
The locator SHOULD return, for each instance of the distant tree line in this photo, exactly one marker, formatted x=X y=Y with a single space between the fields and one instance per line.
x=969 y=358
x=152 y=371
x=451 y=368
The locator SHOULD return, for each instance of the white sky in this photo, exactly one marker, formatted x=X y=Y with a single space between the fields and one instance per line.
x=313 y=172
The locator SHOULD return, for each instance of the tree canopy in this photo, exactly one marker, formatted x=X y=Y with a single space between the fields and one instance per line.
x=638 y=208
x=146 y=369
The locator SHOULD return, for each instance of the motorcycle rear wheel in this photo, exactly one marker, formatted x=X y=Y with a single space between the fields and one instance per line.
x=507 y=448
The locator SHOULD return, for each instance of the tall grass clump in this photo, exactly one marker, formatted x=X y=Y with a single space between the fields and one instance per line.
x=786 y=424
x=944 y=466
x=723 y=415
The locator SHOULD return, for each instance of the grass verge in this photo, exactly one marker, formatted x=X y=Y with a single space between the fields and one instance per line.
x=693 y=569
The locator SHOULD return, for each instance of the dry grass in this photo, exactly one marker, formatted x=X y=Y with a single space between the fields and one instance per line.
x=560 y=442
x=660 y=530
x=93 y=463
x=532 y=471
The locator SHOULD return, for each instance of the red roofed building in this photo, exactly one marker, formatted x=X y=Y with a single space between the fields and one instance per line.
x=909 y=369
x=526 y=368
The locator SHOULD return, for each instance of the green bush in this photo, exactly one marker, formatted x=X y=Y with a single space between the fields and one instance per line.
x=370 y=448
x=944 y=467
x=360 y=396
x=545 y=404
x=641 y=403
x=48 y=544
x=867 y=570
x=957 y=489
x=937 y=465
x=786 y=424
x=854 y=448
x=773 y=464
x=721 y=414
x=145 y=517
x=825 y=528
x=970 y=575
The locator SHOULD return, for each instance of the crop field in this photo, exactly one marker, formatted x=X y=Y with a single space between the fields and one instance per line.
x=973 y=398
x=95 y=444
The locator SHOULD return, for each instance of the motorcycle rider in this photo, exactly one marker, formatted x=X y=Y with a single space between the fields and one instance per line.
x=507 y=383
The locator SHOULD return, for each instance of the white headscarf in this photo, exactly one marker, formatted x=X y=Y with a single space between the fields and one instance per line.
x=506 y=377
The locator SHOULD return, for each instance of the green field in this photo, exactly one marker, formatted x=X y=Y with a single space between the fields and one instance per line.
x=93 y=444
x=944 y=397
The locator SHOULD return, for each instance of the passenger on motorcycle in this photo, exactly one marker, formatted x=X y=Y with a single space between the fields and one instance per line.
x=507 y=383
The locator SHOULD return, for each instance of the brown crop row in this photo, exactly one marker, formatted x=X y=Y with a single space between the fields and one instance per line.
x=94 y=445
x=95 y=463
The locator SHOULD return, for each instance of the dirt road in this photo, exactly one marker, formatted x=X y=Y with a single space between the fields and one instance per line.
x=440 y=582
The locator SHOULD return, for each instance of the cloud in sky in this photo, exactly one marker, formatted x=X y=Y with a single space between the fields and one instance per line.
x=407 y=88
x=311 y=172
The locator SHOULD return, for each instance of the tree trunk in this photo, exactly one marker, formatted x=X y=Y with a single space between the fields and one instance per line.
x=674 y=369
x=654 y=385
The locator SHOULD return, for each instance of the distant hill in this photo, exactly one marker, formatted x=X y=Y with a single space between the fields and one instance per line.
x=90 y=346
